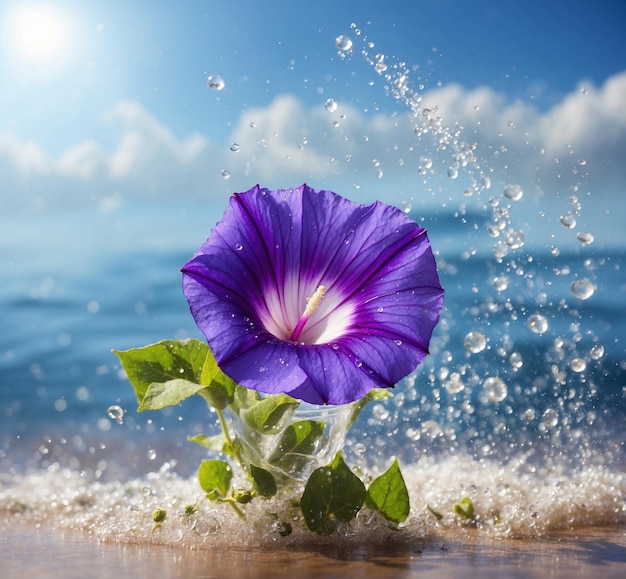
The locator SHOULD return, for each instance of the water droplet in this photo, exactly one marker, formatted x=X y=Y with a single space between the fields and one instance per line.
x=252 y=124
x=513 y=192
x=596 y=352
x=500 y=283
x=475 y=342
x=569 y=220
x=380 y=412
x=152 y=454
x=234 y=147
x=550 y=418
x=578 y=365
x=239 y=247
x=226 y=174
x=330 y=105
x=215 y=82
x=515 y=239
x=454 y=385
x=583 y=289
x=343 y=43
x=585 y=238
x=398 y=342
x=495 y=388
x=380 y=309
x=453 y=172
x=116 y=413
x=538 y=323
x=515 y=359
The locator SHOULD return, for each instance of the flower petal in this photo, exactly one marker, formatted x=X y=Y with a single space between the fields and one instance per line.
x=248 y=288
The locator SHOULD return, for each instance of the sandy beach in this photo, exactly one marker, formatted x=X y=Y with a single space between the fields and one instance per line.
x=599 y=552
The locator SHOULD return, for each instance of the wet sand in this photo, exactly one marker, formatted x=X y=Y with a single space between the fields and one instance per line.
x=600 y=552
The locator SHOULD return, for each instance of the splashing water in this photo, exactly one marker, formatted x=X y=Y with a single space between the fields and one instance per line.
x=504 y=410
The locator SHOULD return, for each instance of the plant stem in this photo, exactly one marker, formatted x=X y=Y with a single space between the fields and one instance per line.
x=236 y=508
x=229 y=440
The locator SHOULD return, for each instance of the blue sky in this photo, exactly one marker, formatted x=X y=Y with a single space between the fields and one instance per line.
x=160 y=54
x=116 y=104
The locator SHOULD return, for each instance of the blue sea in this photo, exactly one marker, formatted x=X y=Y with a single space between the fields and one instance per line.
x=98 y=281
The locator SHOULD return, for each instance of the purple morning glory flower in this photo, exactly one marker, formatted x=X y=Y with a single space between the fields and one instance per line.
x=303 y=292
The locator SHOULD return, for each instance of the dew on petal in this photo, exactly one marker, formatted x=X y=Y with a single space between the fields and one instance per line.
x=343 y=43
x=475 y=342
x=538 y=323
x=225 y=174
x=495 y=389
x=234 y=147
x=215 y=82
x=583 y=289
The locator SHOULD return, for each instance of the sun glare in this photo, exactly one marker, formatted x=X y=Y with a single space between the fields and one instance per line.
x=40 y=33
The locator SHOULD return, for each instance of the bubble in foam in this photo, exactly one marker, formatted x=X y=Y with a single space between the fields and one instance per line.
x=538 y=323
x=583 y=289
x=475 y=342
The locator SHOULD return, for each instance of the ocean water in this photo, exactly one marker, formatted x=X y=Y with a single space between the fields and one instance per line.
x=520 y=406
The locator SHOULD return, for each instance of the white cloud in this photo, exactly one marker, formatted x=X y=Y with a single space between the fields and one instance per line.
x=287 y=143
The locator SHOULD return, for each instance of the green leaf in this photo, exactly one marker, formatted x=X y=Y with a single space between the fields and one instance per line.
x=216 y=442
x=332 y=494
x=374 y=395
x=388 y=494
x=265 y=415
x=162 y=362
x=263 y=481
x=162 y=394
x=215 y=477
x=465 y=509
x=438 y=516
x=220 y=389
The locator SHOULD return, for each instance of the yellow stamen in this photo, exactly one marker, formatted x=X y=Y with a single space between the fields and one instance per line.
x=312 y=304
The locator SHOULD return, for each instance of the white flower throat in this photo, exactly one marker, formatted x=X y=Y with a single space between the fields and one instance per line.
x=312 y=304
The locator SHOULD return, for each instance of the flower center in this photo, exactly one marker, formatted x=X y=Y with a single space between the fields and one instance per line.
x=312 y=304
